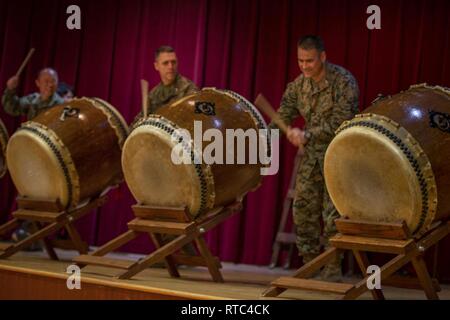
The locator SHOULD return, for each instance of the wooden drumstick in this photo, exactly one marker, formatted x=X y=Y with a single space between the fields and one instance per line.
x=264 y=105
x=144 y=87
x=25 y=61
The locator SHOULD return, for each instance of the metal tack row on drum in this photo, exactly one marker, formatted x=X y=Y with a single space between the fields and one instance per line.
x=69 y=153
x=154 y=179
x=392 y=162
x=73 y=152
x=388 y=164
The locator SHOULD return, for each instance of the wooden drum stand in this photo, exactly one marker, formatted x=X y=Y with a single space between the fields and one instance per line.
x=361 y=237
x=157 y=221
x=47 y=217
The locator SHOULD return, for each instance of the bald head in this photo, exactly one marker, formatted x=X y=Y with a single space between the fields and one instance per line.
x=47 y=82
x=49 y=71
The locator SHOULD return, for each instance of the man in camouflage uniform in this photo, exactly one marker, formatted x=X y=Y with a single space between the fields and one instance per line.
x=33 y=104
x=324 y=95
x=173 y=86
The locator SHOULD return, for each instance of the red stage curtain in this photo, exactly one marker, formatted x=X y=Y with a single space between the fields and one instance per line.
x=246 y=46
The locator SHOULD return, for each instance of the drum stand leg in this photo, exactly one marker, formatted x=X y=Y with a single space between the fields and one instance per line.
x=46 y=242
x=360 y=237
x=170 y=263
x=47 y=217
x=286 y=238
x=168 y=221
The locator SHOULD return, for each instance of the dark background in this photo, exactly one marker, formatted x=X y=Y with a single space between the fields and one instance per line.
x=246 y=46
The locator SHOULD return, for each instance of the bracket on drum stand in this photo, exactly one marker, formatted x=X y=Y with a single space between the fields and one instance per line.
x=47 y=217
x=169 y=221
x=361 y=237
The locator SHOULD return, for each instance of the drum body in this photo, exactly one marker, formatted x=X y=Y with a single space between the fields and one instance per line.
x=70 y=152
x=3 y=144
x=156 y=180
x=392 y=163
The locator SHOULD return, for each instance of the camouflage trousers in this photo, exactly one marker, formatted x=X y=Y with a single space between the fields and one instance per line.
x=311 y=204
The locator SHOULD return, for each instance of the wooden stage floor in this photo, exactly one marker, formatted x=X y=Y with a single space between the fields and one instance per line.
x=31 y=275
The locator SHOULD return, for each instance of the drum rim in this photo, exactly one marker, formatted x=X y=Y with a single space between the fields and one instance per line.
x=4 y=137
x=203 y=171
x=424 y=85
x=256 y=116
x=62 y=154
x=417 y=158
x=427 y=86
x=114 y=118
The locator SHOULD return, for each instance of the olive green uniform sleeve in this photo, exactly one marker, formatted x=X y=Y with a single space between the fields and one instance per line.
x=345 y=107
x=30 y=105
x=13 y=105
x=187 y=87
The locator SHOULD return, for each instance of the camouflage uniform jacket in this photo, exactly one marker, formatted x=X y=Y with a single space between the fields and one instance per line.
x=30 y=105
x=162 y=95
x=323 y=105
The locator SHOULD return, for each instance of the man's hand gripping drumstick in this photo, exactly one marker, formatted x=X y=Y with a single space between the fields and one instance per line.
x=294 y=135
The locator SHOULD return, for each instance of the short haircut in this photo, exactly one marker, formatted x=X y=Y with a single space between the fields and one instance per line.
x=309 y=42
x=162 y=49
x=50 y=71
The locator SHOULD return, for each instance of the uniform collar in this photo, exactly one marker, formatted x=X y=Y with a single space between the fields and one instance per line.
x=330 y=72
x=323 y=84
x=173 y=84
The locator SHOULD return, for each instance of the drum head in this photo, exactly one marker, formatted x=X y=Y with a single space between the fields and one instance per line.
x=35 y=167
x=369 y=178
x=153 y=178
